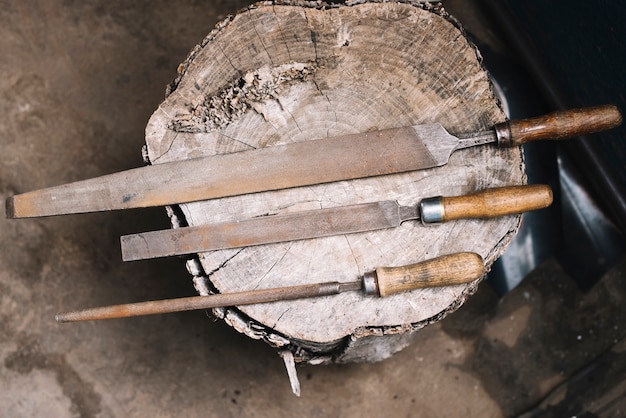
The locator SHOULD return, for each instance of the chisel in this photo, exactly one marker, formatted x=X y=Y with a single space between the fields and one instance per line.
x=317 y=223
x=299 y=164
x=447 y=270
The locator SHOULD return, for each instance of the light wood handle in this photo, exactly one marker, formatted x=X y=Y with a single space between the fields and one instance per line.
x=558 y=125
x=447 y=270
x=499 y=201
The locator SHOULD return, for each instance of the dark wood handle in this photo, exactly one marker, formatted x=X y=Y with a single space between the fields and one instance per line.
x=447 y=270
x=499 y=201
x=558 y=125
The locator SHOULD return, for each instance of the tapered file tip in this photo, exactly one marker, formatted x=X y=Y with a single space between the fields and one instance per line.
x=10 y=207
x=18 y=207
x=27 y=205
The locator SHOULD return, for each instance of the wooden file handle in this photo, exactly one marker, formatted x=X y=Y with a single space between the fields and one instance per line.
x=447 y=270
x=558 y=125
x=499 y=201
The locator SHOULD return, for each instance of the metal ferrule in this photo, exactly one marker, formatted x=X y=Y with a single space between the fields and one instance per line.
x=431 y=210
x=503 y=134
x=370 y=284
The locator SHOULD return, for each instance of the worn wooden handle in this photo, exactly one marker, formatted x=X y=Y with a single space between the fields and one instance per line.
x=500 y=201
x=558 y=125
x=447 y=270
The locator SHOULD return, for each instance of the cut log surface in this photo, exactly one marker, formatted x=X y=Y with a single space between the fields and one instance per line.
x=282 y=73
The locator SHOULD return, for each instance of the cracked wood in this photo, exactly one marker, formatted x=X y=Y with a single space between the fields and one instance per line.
x=371 y=66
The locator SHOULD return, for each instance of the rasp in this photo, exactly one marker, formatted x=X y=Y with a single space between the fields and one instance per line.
x=447 y=270
x=299 y=164
x=333 y=221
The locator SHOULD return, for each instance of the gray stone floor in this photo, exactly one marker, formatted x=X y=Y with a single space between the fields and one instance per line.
x=78 y=81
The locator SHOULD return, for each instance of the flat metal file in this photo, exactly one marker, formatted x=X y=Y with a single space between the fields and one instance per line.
x=300 y=164
x=486 y=203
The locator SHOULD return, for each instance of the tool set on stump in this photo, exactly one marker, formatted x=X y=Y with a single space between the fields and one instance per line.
x=110 y=192
x=296 y=146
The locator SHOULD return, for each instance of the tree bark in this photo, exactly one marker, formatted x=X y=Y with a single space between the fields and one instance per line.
x=281 y=73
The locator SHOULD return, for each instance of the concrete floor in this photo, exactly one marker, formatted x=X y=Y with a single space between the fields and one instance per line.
x=78 y=81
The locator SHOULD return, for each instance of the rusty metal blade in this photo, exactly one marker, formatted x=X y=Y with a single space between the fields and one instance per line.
x=266 y=230
x=284 y=166
x=249 y=297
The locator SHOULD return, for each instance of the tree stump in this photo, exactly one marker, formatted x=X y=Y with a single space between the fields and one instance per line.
x=282 y=73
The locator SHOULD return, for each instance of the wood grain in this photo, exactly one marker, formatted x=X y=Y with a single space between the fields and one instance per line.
x=447 y=270
x=274 y=75
x=496 y=202
x=559 y=125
